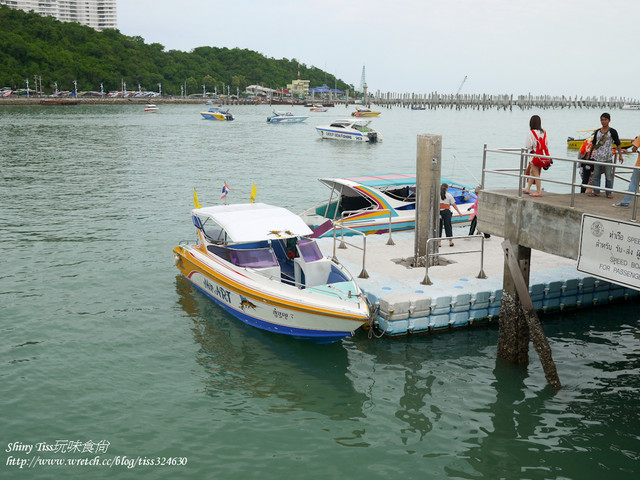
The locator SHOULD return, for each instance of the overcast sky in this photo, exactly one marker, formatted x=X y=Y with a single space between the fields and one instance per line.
x=542 y=47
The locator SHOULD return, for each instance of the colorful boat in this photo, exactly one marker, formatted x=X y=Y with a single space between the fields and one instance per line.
x=319 y=108
x=365 y=112
x=150 y=107
x=369 y=203
x=286 y=117
x=349 y=130
x=576 y=143
x=217 y=113
x=257 y=262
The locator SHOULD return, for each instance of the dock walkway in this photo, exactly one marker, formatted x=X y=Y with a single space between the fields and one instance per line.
x=456 y=297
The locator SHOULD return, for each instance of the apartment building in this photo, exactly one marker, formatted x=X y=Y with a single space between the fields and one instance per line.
x=98 y=14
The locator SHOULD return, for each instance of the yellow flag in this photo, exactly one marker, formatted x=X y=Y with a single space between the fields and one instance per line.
x=254 y=192
x=195 y=199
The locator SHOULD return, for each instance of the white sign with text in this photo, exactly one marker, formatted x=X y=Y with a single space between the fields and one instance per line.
x=610 y=249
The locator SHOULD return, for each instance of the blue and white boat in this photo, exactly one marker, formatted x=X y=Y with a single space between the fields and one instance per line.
x=351 y=130
x=369 y=204
x=286 y=117
x=258 y=263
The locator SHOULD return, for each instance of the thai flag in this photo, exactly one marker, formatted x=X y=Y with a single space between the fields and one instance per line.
x=225 y=190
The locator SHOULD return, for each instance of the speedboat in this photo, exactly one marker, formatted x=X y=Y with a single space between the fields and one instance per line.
x=350 y=130
x=258 y=263
x=319 y=108
x=285 y=117
x=150 y=107
x=576 y=143
x=370 y=204
x=217 y=113
x=631 y=106
x=365 y=112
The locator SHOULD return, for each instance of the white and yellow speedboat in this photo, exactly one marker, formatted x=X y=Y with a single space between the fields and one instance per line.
x=256 y=262
x=365 y=112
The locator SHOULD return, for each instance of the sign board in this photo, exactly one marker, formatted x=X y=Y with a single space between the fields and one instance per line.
x=610 y=249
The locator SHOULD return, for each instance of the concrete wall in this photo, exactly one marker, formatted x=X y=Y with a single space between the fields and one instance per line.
x=545 y=225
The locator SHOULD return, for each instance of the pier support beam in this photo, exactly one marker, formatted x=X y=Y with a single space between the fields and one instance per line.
x=518 y=319
x=428 y=170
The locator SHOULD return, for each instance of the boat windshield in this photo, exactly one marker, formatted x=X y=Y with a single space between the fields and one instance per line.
x=254 y=257
x=309 y=250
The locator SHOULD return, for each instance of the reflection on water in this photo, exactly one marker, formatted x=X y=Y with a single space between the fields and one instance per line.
x=242 y=359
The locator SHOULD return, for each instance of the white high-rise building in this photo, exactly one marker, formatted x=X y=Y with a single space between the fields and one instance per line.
x=98 y=14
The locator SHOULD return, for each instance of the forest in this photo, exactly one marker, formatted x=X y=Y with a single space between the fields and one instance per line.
x=46 y=51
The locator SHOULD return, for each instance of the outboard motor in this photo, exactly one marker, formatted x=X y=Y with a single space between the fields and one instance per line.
x=373 y=137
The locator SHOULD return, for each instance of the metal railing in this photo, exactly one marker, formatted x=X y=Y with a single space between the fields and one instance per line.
x=342 y=219
x=574 y=184
x=481 y=274
x=343 y=244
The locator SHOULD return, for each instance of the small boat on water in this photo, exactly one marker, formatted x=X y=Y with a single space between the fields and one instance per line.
x=365 y=204
x=349 y=130
x=285 y=117
x=631 y=106
x=150 y=107
x=574 y=143
x=258 y=263
x=217 y=113
x=318 y=108
x=365 y=112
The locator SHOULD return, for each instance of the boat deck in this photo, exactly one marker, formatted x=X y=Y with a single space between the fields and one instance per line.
x=457 y=298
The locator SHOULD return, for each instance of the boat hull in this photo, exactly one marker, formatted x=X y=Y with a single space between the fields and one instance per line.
x=365 y=114
x=216 y=116
x=268 y=309
x=285 y=119
x=355 y=136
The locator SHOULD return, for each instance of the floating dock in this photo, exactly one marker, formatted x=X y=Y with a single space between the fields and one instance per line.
x=457 y=298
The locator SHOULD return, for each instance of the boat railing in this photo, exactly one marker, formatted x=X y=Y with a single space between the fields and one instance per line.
x=430 y=247
x=551 y=175
x=343 y=244
x=348 y=213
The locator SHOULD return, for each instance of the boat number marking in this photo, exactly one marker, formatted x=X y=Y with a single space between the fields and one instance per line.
x=278 y=314
x=218 y=291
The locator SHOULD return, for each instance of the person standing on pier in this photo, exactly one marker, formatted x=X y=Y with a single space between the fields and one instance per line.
x=446 y=202
x=536 y=143
x=634 y=178
x=604 y=139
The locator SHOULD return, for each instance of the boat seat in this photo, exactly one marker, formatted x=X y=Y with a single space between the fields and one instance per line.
x=313 y=273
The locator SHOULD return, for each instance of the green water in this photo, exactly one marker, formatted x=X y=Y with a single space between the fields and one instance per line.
x=102 y=341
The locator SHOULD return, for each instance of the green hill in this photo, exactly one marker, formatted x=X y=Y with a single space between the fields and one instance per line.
x=32 y=45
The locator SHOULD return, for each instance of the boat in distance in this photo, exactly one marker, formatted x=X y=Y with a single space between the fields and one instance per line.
x=286 y=117
x=258 y=263
x=318 y=108
x=217 y=113
x=150 y=107
x=365 y=112
x=576 y=143
x=370 y=204
x=353 y=130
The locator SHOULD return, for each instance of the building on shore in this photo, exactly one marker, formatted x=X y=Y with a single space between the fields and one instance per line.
x=97 y=14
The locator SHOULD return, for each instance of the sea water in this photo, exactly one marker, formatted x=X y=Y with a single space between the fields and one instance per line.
x=114 y=367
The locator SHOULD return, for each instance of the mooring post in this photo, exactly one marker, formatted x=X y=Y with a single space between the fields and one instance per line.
x=428 y=167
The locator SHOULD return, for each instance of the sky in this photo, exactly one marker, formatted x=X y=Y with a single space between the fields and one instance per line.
x=583 y=48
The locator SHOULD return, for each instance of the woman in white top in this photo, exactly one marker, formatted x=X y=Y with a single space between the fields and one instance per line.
x=446 y=202
x=536 y=143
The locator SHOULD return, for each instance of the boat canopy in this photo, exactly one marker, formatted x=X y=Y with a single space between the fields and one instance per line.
x=376 y=180
x=253 y=222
